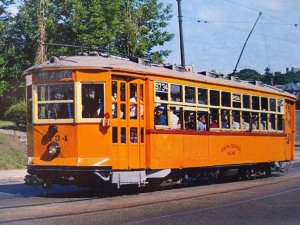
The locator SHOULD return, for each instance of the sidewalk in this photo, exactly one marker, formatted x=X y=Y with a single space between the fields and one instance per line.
x=12 y=176
x=22 y=135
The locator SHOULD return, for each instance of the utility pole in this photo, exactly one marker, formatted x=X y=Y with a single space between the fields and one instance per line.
x=181 y=34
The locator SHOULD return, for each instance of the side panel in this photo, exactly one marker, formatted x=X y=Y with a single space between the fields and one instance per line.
x=195 y=149
x=179 y=150
x=93 y=143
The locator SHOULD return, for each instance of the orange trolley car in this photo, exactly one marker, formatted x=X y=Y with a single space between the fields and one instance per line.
x=110 y=120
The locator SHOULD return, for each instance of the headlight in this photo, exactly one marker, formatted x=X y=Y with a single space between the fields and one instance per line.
x=53 y=149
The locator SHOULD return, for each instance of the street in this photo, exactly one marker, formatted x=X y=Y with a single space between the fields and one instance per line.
x=273 y=200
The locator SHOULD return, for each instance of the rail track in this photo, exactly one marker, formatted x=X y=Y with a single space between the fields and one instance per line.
x=27 y=212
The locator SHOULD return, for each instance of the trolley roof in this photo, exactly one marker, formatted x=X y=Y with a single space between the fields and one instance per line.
x=124 y=64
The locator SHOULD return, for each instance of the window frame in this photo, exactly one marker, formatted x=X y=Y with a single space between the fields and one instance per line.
x=243 y=108
x=79 y=97
x=35 y=98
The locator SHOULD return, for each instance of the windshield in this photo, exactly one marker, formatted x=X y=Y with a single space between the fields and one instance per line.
x=55 y=101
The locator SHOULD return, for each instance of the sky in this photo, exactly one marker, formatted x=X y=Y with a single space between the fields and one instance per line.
x=216 y=44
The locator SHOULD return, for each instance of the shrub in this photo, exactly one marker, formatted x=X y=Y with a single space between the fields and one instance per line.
x=17 y=114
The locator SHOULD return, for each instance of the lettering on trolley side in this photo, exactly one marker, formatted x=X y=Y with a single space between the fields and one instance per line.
x=161 y=87
x=231 y=149
x=58 y=138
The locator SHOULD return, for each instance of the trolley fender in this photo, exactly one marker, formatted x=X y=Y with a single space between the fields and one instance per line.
x=158 y=173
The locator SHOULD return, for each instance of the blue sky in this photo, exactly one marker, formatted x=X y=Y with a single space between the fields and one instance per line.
x=274 y=43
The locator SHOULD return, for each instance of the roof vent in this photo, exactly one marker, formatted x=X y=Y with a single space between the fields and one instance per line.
x=175 y=67
x=235 y=78
x=53 y=59
x=141 y=61
x=212 y=73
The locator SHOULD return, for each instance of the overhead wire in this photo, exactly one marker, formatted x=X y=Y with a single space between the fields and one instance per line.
x=280 y=22
x=296 y=25
x=255 y=32
x=238 y=22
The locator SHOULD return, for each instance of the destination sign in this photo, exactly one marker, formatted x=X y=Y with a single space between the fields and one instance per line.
x=53 y=75
x=161 y=87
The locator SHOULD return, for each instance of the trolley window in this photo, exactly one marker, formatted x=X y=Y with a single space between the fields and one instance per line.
x=55 y=101
x=264 y=104
x=236 y=119
x=215 y=98
x=279 y=122
x=161 y=91
x=92 y=100
x=245 y=121
x=214 y=118
x=190 y=94
x=280 y=106
x=202 y=96
x=255 y=102
x=226 y=99
x=176 y=93
x=246 y=101
x=175 y=117
x=225 y=119
x=272 y=105
x=236 y=100
x=161 y=115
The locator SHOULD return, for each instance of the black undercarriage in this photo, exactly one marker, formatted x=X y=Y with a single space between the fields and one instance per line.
x=94 y=177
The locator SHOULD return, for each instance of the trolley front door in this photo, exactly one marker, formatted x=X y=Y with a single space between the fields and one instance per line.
x=136 y=124
x=128 y=124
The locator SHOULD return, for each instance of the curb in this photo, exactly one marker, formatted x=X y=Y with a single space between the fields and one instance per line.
x=21 y=135
x=12 y=176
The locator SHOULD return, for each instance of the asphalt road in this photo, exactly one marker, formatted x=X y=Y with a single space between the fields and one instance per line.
x=274 y=200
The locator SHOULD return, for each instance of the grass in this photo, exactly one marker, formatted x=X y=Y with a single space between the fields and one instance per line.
x=6 y=124
x=12 y=153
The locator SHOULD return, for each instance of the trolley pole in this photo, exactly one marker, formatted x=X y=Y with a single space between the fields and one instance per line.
x=234 y=71
x=181 y=34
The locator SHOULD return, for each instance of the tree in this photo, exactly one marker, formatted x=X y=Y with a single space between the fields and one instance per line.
x=10 y=71
x=249 y=74
x=5 y=19
x=280 y=79
x=142 y=29
x=267 y=78
x=131 y=27
x=3 y=27
x=41 y=19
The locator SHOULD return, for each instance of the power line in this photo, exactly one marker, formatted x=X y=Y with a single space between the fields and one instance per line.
x=253 y=9
x=257 y=33
x=239 y=22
